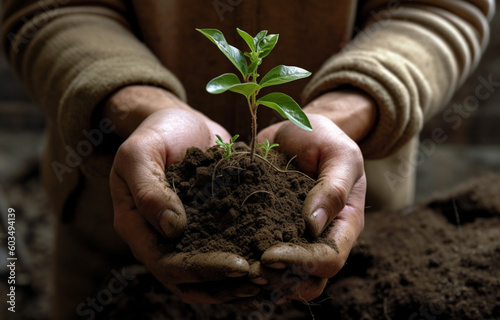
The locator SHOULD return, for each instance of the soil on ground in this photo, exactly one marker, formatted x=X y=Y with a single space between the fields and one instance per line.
x=438 y=260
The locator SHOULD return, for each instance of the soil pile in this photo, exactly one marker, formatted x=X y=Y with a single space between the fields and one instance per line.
x=239 y=206
x=439 y=260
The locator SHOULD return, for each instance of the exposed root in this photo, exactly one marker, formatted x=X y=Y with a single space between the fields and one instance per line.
x=308 y=306
x=213 y=174
x=235 y=167
x=215 y=171
x=278 y=169
x=318 y=303
x=285 y=171
x=261 y=191
x=290 y=161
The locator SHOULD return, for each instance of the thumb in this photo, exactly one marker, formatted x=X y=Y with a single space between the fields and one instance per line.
x=338 y=175
x=138 y=183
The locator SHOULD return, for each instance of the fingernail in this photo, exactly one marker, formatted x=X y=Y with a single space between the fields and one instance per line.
x=236 y=274
x=168 y=221
x=260 y=281
x=245 y=295
x=276 y=265
x=320 y=218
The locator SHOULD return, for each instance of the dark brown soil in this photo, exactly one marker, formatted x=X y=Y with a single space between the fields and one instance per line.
x=436 y=261
x=239 y=206
x=439 y=260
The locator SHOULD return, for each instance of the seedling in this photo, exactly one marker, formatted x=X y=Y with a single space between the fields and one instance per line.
x=260 y=45
x=267 y=146
x=228 y=147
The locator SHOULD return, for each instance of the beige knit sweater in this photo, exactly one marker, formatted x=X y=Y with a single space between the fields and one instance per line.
x=409 y=55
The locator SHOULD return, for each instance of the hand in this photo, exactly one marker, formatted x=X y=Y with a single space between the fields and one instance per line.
x=301 y=271
x=146 y=209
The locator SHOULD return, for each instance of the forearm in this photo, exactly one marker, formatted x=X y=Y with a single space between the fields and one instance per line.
x=409 y=57
x=73 y=57
x=351 y=110
x=73 y=61
x=130 y=106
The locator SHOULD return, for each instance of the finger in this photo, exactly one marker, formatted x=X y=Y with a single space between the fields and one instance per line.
x=201 y=267
x=339 y=170
x=330 y=154
x=139 y=167
x=173 y=268
x=217 y=291
x=350 y=222
x=324 y=259
x=132 y=227
x=318 y=259
x=288 y=284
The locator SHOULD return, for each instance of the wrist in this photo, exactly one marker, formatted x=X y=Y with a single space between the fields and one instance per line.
x=130 y=106
x=353 y=111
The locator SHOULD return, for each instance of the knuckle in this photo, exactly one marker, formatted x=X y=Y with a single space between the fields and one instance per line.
x=145 y=200
x=125 y=154
x=127 y=147
x=340 y=192
x=355 y=151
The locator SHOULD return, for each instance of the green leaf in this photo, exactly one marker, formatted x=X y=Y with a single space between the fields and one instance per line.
x=232 y=53
x=283 y=74
x=233 y=139
x=267 y=44
x=219 y=142
x=222 y=83
x=245 y=89
x=231 y=82
x=219 y=139
x=287 y=108
x=259 y=37
x=248 y=38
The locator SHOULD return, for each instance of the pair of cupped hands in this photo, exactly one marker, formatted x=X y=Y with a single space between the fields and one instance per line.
x=158 y=128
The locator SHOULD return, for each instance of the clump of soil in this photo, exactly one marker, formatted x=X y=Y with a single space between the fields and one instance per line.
x=239 y=206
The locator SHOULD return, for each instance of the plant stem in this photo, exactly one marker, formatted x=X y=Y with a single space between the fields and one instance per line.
x=252 y=104
x=253 y=112
x=254 y=136
x=267 y=152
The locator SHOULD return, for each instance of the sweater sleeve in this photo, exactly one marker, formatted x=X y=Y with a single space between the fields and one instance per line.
x=410 y=56
x=72 y=54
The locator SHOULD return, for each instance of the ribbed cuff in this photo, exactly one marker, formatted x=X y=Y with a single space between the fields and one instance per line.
x=392 y=87
x=88 y=90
